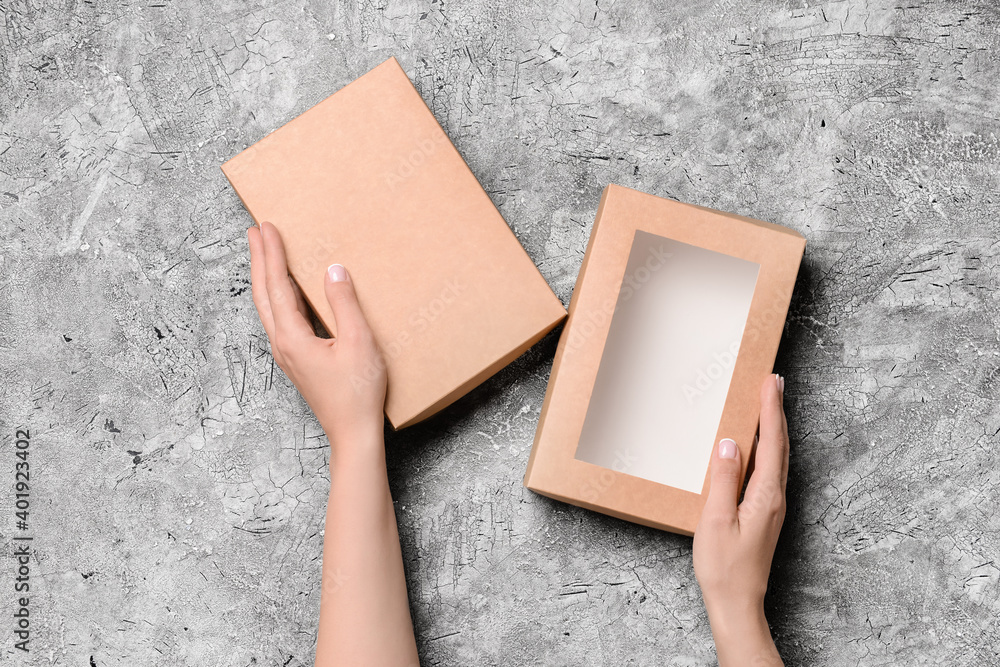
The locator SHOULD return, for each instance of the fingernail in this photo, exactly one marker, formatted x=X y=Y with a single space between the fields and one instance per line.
x=727 y=449
x=337 y=273
x=781 y=384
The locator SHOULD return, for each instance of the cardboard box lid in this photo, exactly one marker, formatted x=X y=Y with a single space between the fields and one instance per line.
x=368 y=179
x=553 y=467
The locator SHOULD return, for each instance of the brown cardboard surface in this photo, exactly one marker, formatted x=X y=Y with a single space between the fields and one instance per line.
x=368 y=179
x=553 y=469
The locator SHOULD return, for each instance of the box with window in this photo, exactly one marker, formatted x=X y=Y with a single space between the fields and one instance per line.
x=674 y=323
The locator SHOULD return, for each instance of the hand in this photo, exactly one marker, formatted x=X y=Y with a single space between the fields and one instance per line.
x=734 y=544
x=342 y=379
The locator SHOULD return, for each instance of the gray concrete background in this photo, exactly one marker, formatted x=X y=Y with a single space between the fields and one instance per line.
x=179 y=480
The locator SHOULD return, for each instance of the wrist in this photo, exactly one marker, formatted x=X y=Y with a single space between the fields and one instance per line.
x=360 y=444
x=736 y=617
x=741 y=633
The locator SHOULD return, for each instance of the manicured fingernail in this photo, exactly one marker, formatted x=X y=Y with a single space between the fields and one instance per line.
x=337 y=273
x=781 y=384
x=727 y=449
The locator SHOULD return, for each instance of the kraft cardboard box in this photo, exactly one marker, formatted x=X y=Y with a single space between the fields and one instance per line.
x=673 y=325
x=368 y=179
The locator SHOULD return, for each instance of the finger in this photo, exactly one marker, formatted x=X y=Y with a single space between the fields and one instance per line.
x=771 y=460
x=303 y=307
x=258 y=281
x=724 y=489
x=300 y=301
x=752 y=458
x=350 y=320
x=288 y=321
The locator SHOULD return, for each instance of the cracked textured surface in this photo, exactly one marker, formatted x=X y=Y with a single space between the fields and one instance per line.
x=179 y=480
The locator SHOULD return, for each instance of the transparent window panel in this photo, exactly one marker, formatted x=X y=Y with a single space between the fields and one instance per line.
x=666 y=367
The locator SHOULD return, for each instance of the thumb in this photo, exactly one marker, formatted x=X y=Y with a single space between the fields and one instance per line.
x=724 y=491
x=344 y=302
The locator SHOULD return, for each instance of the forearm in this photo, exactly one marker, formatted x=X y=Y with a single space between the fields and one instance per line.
x=743 y=638
x=364 y=611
